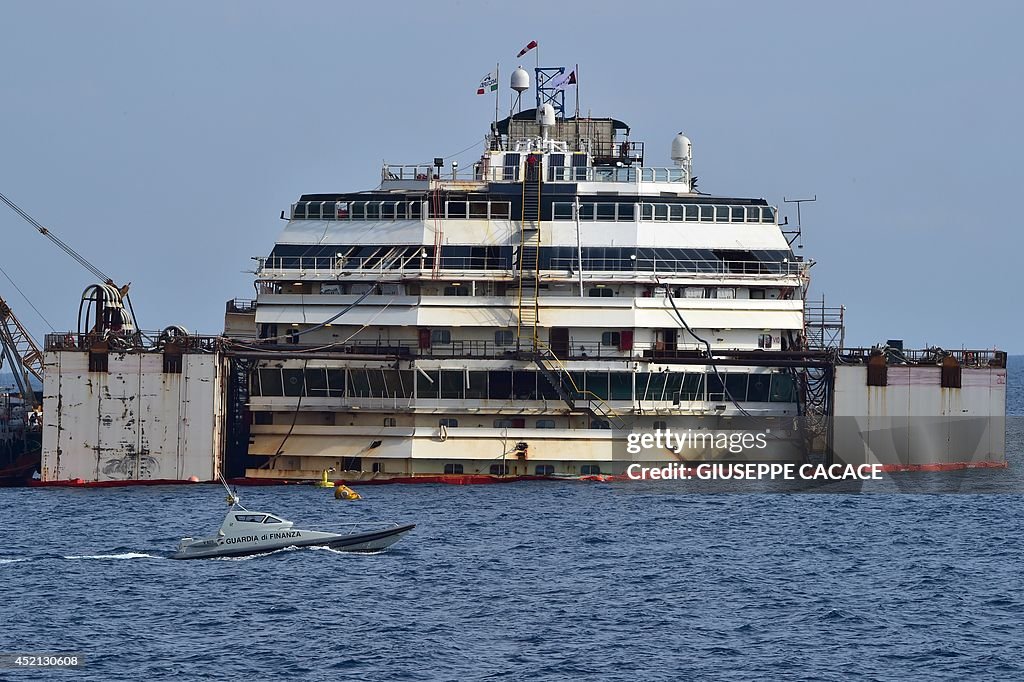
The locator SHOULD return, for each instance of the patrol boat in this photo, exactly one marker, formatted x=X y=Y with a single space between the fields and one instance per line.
x=244 y=532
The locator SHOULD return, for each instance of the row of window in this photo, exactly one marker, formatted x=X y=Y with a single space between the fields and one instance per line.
x=400 y=210
x=507 y=385
x=502 y=210
x=564 y=258
x=691 y=213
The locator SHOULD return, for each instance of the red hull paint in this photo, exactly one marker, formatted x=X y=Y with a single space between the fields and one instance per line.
x=468 y=479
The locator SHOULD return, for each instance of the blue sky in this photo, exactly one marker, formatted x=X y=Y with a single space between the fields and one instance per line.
x=163 y=139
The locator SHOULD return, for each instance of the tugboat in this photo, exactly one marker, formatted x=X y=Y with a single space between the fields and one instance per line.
x=244 y=532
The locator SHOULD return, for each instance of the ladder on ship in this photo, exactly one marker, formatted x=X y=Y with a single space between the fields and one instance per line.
x=529 y=258
x=556 y=374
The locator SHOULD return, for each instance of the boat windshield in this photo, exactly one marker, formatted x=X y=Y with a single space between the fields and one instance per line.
x=250 y=518
x=271 y=519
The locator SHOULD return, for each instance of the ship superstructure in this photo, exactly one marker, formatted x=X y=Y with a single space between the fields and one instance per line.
x=522 y=316
x=541 y=313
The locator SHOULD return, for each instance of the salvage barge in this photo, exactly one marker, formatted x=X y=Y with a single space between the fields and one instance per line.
x=524 y=318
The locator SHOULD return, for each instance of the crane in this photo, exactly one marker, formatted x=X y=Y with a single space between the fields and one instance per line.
x=22 y=353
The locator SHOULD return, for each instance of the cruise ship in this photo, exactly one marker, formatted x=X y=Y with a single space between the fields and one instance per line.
x=520 y=316
x=535 y=314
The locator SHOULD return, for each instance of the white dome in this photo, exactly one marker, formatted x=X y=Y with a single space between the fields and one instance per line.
x=520 y=80
x=682 y=148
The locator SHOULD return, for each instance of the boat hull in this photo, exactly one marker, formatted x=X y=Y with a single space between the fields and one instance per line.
x=371 y=541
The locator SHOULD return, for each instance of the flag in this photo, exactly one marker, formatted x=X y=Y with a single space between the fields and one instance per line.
x=559 y=82
x=488 y=83
x=529 y=46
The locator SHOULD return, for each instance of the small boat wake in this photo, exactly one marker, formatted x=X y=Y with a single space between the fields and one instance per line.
x=122 y=555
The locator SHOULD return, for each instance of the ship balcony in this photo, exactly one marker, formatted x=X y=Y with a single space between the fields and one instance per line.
x=577 y=174
x=640 y=268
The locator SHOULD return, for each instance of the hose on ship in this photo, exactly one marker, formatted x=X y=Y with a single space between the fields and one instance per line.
x=710 y=354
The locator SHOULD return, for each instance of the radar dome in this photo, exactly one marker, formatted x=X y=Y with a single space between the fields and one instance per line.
x=546 y=114
x=520 y=80
x=682 y=149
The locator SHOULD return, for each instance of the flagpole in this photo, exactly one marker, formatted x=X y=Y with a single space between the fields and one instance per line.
x=497 y=76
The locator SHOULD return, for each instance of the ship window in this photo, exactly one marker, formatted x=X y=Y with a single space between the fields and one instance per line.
x=478 y=209
x=661 y=211
x=503 y=423
x=753 y=214
x=764 y=341
x=722 y=214
x=768 y=214
x=456 y=291
x=359 y=383
x=500 y=385
x=457 y=209
x=389 y=421
x=545 y=423
x=452 y=468
x=500 y=469
x=627 y=211
x=448 y=423
x=501 y=209
x=271 y=519
x=353 y=463
x=675 y=212
x=358 y=210
x=736 y=385
x=316 y=382
x=373 y=210
x=544 y=470
x=341 y=210
x=620 y=386
x=757 y=389
x=440 y=336
x=427 y=387
x=451 y=384
x=647 y=211
x=757 y=293
x=692 y=213
x=415 y=209
x=504 y=337
x=590 y=470
x=660 y=425
x=605 y=212
x=707 y=214
x=378 y=467
x=556 y=160
x=692 y=387
x=335 y=383
x=562 y=210
x=292 y=382
x=511 y=168
x=270 y=382
x=476 y=386
x=600 y=424
x=610 y=339
x=600 y=292
x=299 y=210
x=737 y=214
x=783 y=390
x=249 y=518
x=586 y=211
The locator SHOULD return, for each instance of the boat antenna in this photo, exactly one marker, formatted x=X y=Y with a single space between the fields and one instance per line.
x=233 y=498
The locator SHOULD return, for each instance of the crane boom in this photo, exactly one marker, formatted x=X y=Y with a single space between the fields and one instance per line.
x=61 y=244
x=21 y=352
